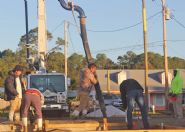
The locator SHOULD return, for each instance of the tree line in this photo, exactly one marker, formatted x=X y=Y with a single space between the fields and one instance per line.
x=55 y=59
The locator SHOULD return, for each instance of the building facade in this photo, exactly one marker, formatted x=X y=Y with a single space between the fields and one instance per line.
x=111 y=79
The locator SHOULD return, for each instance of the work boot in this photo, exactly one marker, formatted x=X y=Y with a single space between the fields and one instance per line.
x=25 y=129
x=25 y=124
x=34 y=127
x=84 y=113
x=39 y=124
x=17 y=117
x=75 y=114
x=11 y=115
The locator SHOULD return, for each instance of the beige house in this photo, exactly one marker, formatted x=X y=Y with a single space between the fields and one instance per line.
x=156 y=83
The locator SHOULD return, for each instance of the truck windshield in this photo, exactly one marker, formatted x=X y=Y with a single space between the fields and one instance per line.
x=54 y=83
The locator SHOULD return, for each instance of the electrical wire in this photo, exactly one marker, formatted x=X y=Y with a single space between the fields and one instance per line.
x=150 y=44
x=52 y=31
x=176 y=52
x=114 y=30
x=134 y=47
x=119 y=29
x=125 y=28
x=121 y=48
x=76 y=25
x=70 y=39
x=178 y=22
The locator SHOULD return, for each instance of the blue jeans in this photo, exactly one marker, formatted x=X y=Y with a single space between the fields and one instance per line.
x=132 y=97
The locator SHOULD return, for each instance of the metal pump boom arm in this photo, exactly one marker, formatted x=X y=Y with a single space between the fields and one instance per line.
x=82 y=17
x=86 y=47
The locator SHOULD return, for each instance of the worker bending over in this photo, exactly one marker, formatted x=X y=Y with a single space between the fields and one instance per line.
x=131 y=92
x=34 y=98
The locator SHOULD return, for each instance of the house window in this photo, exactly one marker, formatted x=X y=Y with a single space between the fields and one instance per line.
x=159 y=100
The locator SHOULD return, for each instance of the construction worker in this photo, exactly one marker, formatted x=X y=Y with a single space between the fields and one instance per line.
x=131 y=92
x=34 y=98
x=87 y=81
x=176 y=91
x=14 y=87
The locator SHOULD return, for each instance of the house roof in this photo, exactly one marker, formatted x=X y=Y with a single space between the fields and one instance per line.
x=154 y=81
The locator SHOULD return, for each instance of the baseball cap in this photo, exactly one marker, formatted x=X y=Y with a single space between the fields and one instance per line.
x=18 y=68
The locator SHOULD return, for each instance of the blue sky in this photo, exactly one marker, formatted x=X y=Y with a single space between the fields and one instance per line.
x=102 y=15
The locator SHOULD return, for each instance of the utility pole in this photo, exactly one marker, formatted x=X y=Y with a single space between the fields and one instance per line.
x=164 y=46
x=145 y=50
x=27 y=37
x=108 y=81
x=65 y=44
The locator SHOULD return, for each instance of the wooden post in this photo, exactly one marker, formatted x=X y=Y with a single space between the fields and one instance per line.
x=145 y=50
x=65 y=45
x=108 y=81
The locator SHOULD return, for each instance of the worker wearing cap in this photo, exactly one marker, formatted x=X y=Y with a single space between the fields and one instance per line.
x=87 y=81
x=14 y=88
x=34 y=98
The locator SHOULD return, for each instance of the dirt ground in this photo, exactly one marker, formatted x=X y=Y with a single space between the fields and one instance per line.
x=156 y=122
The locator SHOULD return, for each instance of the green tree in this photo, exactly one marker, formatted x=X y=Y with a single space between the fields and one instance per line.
x=127 y=60
x=103 y=62
x=7 y=52
x=55 y=62
x=33 y=39
x=7 y=63
x=75 y=63
x=57 y=48
x=155 y=61
x=60 y=41
x=176 y=62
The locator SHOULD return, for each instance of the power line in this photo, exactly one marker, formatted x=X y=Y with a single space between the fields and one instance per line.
x=131 y=48
x=77 y=27
x=125 y=28
x=70 y=39
x=175 y=40
x=178 y=22
x=57 y=27
x=114 y=30
x=121 y=48
x=120 y=29
x=134 y=47
x=176 y=52
x=150 y=44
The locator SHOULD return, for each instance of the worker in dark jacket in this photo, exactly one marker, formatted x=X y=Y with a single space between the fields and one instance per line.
x=34 y=98
x=14 y=88
x=131 y=92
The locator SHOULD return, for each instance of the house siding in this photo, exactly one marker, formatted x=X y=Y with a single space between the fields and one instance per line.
x=155 y=86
